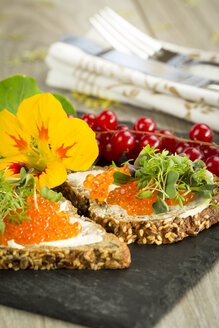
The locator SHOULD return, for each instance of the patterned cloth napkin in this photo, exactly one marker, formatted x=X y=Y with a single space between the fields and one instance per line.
x=73 y=69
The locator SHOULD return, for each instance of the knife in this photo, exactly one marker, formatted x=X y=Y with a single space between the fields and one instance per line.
x=147 y=66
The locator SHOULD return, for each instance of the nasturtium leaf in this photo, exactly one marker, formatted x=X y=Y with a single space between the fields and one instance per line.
x=15 y=89
x=159 y=206
x=172 y=177
x=122 y=178
x=66 y=104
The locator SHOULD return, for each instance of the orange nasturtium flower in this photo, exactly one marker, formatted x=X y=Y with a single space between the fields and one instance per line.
x=43 y=140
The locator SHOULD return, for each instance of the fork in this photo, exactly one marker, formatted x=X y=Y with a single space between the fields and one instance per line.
x=125 y=37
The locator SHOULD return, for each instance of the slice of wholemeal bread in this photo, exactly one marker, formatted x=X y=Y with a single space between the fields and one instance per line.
x=109 y=253
x=159 y=229
x=73 y=189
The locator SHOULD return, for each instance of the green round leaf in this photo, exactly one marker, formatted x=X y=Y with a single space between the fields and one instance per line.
x=15 y=89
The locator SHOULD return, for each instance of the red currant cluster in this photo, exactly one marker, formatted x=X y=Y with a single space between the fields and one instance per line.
x=123 y=140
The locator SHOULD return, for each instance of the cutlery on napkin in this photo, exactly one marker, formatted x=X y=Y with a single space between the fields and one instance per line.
x=147 y=66
x=73 y=69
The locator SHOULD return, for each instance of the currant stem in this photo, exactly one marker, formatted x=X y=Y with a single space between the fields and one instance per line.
x=165 y=136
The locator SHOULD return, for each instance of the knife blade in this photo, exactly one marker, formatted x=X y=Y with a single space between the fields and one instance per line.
x=147 y=66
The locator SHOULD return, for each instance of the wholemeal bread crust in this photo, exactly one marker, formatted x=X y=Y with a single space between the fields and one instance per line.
x=79 y=197
x=144 y=232
x=158 y=231
x=110 y=253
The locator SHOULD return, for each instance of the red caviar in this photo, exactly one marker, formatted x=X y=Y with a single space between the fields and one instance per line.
x=100 y=183
x=47 y=223
x=124 y=196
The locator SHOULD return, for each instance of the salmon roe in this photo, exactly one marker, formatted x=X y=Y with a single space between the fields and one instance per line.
x=47 y=223
x=124 y=196
x=100 y=183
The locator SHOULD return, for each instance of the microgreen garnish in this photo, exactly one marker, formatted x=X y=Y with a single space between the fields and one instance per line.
x=13 y=197
x=122 y=178
x=159 y=206
x=171 y=176
x=113 y=164
x=49 y=194
x=215 y=206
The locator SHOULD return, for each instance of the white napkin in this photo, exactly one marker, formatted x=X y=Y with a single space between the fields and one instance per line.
x=72 y=69
x=195 y=53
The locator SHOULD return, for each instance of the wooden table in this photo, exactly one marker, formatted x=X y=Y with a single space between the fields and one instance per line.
x=28 y=27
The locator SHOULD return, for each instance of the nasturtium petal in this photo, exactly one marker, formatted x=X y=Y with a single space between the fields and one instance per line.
x=13 y=138
x=75 y=144
x=39 y=115
x=54 y=175
x=41 y=138
x=13 y=165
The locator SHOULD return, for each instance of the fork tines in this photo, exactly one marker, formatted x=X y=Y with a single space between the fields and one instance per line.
x=122 y=35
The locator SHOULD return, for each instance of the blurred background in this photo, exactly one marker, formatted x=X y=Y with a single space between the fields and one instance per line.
x=29 y=27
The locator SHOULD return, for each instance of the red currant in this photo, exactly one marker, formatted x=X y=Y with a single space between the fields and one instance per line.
x=110 y=153
x=194 y=145
x=104 y=138
x=193 y=153
x=100 y=147
x=107 y=120
x=133 y=154
x=212 y=164
x=201 y=132
x=123 y=127
x=167 y=143
x=151 y=140
x=209 y=151
x=181 y=147
x=145 y=124
x=123 y=141
x=90 y=119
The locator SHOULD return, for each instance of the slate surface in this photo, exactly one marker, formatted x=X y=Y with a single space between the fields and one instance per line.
x=134 y=298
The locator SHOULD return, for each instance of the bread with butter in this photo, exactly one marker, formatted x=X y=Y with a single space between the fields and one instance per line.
x=107 y=253
x=154 y=229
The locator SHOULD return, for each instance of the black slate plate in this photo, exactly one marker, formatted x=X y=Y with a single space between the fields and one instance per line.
x=136 y=297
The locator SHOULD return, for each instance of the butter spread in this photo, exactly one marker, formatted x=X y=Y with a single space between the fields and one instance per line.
x=89 y=234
